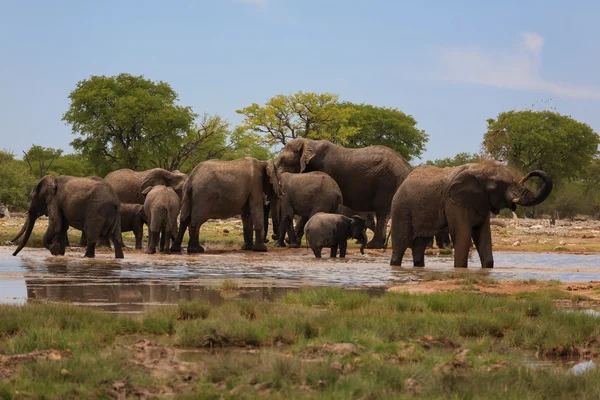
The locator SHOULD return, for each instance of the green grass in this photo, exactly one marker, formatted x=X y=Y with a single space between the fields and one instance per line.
x=440 y=345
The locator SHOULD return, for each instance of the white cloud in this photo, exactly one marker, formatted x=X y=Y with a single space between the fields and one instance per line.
x=518 y=68
x=259 y=3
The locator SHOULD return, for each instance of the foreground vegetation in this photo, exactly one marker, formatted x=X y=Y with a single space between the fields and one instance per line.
x=328 y=342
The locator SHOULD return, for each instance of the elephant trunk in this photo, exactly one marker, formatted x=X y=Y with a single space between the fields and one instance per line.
x=527 y=198
x=363 y=242
x=13 y=240
x=29 y=228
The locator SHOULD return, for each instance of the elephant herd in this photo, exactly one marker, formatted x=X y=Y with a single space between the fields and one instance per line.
x=333 y=191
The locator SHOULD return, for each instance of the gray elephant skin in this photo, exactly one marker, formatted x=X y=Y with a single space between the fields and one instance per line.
x=161 y=208
x=224 y=189
x=133 y=219
x=460 y=199
x=368 y=216
x=367 y=177
x=129 y=184
x=89 y=205
x=333 y=231
x=303 y=195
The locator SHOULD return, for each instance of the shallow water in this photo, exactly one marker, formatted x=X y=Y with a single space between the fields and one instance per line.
x=141 y=279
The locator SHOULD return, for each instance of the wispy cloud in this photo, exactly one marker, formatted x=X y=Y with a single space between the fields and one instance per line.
x=260 y=3
x=518 y=68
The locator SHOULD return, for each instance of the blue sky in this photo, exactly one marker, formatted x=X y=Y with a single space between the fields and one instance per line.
x=451 y=65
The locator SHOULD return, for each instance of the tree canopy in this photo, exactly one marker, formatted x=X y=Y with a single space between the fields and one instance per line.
x=303 y=114
x=15 y=181
x=40 y=159
x=546 y=140
x=385 y=126
x=459 y=159
x=125 y=121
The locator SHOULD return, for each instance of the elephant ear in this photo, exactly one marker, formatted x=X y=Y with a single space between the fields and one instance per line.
x=274 y=178
x=466 y=191
x=307 y=154
x=155 y=177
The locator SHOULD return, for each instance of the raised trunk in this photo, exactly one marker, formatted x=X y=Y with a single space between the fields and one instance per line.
x=29 y=223
x=529 y=199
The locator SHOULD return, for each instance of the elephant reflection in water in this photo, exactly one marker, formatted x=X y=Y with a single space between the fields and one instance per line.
x=135 y=297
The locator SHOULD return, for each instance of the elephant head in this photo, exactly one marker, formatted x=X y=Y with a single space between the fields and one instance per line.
x=43 y=201
x=491 y=187
x=358 y=231
x=296 y=156
x=271 y=180
x=172 y=179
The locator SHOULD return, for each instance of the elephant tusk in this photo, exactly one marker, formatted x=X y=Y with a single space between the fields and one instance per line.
x=516 y=199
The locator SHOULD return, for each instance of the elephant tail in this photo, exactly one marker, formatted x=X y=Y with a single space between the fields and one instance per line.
x=386 y=241
x=114 y=224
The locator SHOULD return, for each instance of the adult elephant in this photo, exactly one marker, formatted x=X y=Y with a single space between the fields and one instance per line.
x=86 y=204
x=459 y=199
x=367 y=177
x=224 y=189
x=129 y=184
x=303 y=195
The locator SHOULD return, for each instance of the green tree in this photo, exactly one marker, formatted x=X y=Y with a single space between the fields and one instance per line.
x=544 y=140
x=72 y=164
x=385 y=126
x=308 y=115
x=15 y=181
x=246 y=144
x=123 y=119
x=459 y=159
x=40 y=159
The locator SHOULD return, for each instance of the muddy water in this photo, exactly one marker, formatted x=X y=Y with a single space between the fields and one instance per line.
x=139 y=280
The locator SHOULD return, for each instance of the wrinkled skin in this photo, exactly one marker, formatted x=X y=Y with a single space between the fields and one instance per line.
x=333 y=231
x=367 y=177
x=303 y=195
x=161 y=209
x=459 y=199
x=129 y=184
x=133 y=219
x=224 y=189
x=368 y=216
x=86 y=204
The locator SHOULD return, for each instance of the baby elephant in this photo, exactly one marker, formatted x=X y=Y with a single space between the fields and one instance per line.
x=133 y=219
x=333 y=230
x=161 y=208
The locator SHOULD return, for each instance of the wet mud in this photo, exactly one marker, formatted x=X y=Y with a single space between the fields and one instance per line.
x=141 y=280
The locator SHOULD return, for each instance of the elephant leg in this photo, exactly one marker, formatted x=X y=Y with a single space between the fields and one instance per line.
x=343 y=247
x=317 y=251
x=153 y=242
x=165 y=241
x=257 y=218
x=117 y=243
x=294 y=241
x=163 y=238
x=462 y=246
x=194 y=243
x=62 y=242
x=139 y=234
x=299 y=229
x=333 y=252
x=184 y=222
x=83 y=240
x=266 y=209
x=247 y=226
x=284 y=223
x=418 y=251
x=378 y=240
x=430 y=243
x=482 y=237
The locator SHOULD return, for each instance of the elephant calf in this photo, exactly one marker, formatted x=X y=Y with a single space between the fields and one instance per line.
x=161 y=207
x=133 y=219
x=334 y=230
